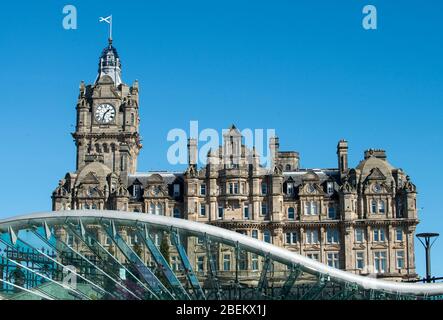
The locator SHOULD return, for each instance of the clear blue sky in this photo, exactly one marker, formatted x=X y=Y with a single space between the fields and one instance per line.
x=305 y=68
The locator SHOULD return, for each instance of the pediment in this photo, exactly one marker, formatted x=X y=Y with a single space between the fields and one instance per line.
x=376 y=174
x=90 y=178
x=311 y=188
x=155 y=178
x=310 y=176
x=156 y=191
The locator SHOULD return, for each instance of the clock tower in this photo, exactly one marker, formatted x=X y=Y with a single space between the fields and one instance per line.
x=107 y=129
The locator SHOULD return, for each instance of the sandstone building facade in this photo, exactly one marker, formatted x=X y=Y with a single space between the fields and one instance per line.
x=360 y=219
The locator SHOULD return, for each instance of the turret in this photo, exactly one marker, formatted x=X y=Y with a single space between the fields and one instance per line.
x=110 y=65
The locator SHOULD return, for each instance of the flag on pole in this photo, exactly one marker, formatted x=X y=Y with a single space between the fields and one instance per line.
x=108 y=20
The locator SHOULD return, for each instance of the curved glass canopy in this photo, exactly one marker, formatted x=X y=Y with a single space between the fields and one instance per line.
x=93 y=255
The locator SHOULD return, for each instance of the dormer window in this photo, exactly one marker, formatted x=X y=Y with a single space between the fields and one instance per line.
x=136 y=191
x=290 y=189
x=176 y=190
x=330 y=188
x=288 y=167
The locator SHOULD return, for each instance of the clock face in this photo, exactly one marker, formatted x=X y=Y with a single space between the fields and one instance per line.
x=377 y=188
x=104 y=113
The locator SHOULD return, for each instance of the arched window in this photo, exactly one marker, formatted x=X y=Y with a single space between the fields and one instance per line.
x=374 y=206
x=177 y=213
x=288 y=167
x=151 y=208
x=105 y=148
x=87 y=207
x=381 y=206
x=291 y=213
x=94 y=207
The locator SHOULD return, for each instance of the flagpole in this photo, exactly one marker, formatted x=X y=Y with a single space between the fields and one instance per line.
x=110 y=29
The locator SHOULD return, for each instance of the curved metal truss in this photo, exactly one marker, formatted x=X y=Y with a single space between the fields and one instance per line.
x=125 y=255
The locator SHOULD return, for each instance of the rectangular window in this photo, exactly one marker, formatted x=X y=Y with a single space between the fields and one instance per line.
x=307 y=208
x=291 y=237
x=400 y=257
x=203 y=189
x=70 y=239
x=331 y=212
x=235 y=188
x=359 y=235
x=254 y=234
x=381 y=206
x=254 y=262
x=399 y=234
x=157 y=239
x=313 y=256
x=380 y=261
x=246 y=211
x=200 y=263
x=311 y=208
x=332 y=235
x=132 y=239
x=379 y=235
x=264 y=209
x=264 y=189
x=373 y=206
x=227 y=262
x=314 y=208
x=175 y=263
x=312 y=236
x=267 y=236
x=202 y=209
x=231 y=188
x=291 y=213
x=176 y=190
x=359 y=260
x=221 y=212
x=333 y=261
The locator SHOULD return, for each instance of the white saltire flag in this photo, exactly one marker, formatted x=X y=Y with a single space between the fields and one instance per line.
x=108 y=20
